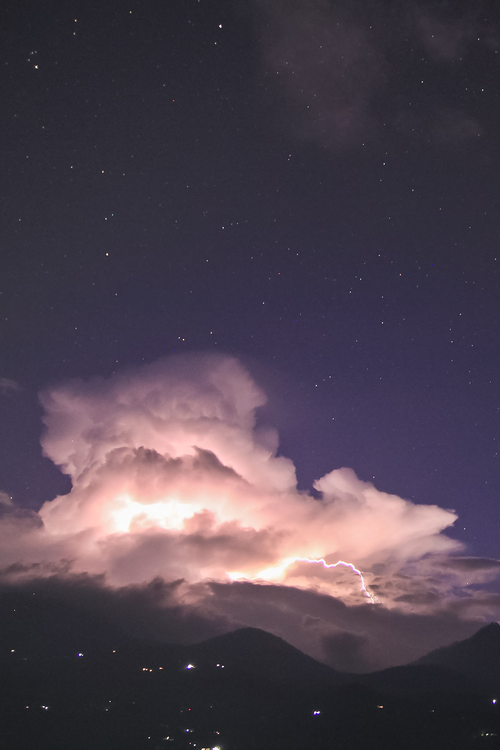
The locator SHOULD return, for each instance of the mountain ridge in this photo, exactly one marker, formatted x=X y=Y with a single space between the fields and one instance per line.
x=477 y=657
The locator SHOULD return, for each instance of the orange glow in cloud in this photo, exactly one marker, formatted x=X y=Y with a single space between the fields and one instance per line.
x=278 y=573
x=167 y=514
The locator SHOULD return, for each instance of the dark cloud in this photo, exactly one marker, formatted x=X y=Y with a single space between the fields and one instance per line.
x=74 y=612
x=336 y=70
x=454 y=127
x=326 y=67
x=421 y=597
x=439 y=126
x=80 y=611
x=309 y=619
x=471 y=563
x=448 y=32
x=443 y=40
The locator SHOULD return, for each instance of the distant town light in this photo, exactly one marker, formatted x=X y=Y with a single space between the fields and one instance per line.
x=190 y=666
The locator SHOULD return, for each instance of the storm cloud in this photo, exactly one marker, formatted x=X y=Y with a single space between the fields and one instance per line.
x=173 y=481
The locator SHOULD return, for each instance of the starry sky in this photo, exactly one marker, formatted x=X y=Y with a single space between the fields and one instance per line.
x=309 y=187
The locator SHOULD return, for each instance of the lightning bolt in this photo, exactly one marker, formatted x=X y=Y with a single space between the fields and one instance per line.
x=322 y=561
x=278 y=570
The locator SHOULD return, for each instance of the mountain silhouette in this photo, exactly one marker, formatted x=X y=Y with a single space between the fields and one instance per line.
x=246 y=689
x=478 y=657
x=259 y=653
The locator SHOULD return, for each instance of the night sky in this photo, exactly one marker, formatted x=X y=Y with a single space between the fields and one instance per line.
x=308 y=186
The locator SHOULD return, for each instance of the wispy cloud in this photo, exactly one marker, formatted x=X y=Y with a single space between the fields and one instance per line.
x=335 y=71
x=7 y=387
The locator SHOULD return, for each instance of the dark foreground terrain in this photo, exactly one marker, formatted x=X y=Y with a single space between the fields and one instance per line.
x=69 y=683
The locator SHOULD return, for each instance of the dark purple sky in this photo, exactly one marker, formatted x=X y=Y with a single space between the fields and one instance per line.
x=311 y=187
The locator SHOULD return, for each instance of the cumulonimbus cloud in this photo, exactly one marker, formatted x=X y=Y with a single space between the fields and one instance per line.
x=171 y=479
x=169 y=471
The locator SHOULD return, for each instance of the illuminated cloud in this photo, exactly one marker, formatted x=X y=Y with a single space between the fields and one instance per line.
x=171 y=478
x=173 y=481
x=5 y=501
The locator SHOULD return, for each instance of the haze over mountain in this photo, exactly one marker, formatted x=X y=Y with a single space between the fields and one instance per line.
x=465 y=666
